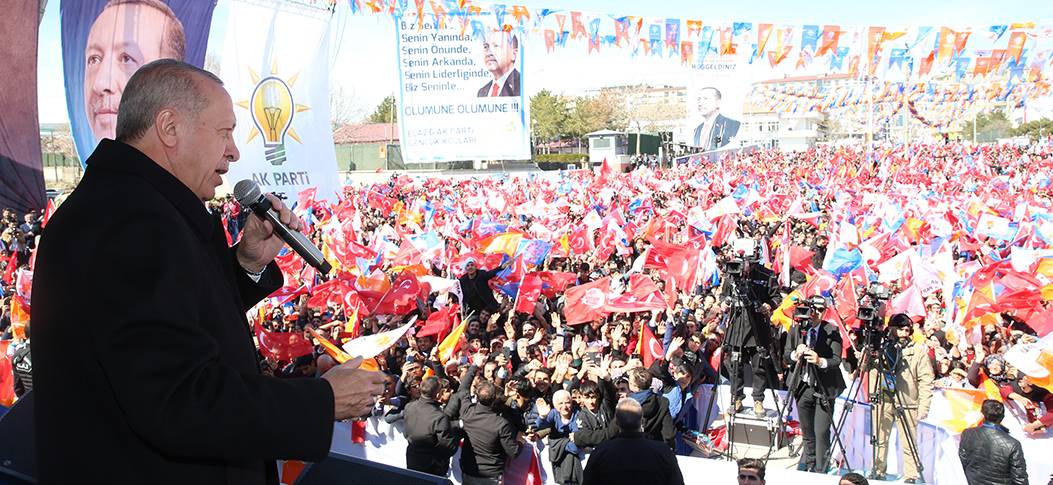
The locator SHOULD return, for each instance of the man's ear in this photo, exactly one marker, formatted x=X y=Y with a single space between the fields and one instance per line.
x=166 y=125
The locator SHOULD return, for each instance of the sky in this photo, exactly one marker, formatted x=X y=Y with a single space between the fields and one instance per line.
x=364 y=69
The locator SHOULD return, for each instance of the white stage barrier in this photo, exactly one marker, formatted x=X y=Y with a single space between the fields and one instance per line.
x=385 y=443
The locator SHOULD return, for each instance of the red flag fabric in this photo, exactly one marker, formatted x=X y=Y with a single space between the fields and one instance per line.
x=439 y=322
x=642 y=296
x=529 y=292
x=47 y=213
x=524 y=468
x=283 y=346
x=650 y=348
x=801 y=259
x=581 y=241
x=556 y=282
x=660 y=252
x=402 y=297
x=1042 y=322
x=820 y=283
x=846 y=302
x=587 y=302
x=682 y=268
x=7 y=377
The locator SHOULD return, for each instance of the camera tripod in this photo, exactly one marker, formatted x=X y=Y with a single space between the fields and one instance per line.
x=875 y=359
x=735 y=324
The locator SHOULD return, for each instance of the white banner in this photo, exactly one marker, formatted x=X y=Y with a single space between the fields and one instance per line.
x=462 y=93
x=276 y=69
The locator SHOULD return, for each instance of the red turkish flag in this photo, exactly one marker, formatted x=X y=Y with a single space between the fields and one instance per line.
x=820 y=283
x=683 y=267
x=801 y=259
x=581 y=241
x=642 y=296
x=650 y=348
x=402 y=297
x=660 y=252
x=557 y=282
x=529 y=292
x=283 y=346
x=587 y=302
x=846 y=302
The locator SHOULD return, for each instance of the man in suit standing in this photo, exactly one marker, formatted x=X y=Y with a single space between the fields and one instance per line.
x=500 y=52
x=631 y=457
x=715 y=130
x=813 y=349
x=139 y=311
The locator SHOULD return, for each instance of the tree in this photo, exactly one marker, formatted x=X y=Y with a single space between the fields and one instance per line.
x=1035 y=129
x=548 y=115
x=386 y=112
x=593 y=113
x=990 y=126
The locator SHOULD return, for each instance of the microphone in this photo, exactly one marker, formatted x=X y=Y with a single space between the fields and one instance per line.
x=249 y=196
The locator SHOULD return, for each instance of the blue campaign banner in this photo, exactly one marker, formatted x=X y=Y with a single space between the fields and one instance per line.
x=105 y=41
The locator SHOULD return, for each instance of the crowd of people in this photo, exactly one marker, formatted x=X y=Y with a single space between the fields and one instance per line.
x=685 y=277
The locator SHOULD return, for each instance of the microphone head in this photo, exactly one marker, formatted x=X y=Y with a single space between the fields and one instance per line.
x=247 y=192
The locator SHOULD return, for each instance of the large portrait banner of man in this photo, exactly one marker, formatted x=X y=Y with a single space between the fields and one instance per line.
x=105 y=41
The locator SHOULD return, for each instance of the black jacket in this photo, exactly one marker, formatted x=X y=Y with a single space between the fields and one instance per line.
x=489 y=440
x=990 y=456
x=139 y=318
x=657 y=422
x=595 y=428
x=632 y=459
x=510 y=88
x=724 y=129
x=477 y=292
x=432 y=441
x=828 y=381
x=747 y=326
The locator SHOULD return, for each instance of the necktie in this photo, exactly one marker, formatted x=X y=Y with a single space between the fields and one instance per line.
x=496 y=89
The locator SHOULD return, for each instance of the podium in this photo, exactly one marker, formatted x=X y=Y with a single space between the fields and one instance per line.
x=713 y=156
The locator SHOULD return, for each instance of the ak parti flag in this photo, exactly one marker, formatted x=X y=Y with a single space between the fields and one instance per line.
x=649 y=348
x=587 y=302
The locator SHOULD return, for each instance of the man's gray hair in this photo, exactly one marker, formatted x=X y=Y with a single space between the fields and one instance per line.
x=161 y=84
x=628 y=415
x=174 y=36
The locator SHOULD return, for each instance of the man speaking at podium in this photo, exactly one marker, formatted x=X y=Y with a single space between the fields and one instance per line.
x=146 y=371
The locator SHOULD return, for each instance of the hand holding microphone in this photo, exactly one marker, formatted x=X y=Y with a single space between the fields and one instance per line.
x=273 y=227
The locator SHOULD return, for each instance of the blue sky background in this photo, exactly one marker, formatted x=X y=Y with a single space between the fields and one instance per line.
x=364 y=69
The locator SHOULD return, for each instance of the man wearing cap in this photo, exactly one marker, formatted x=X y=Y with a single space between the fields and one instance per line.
x=475 y=286
x=813 y=351
x=904 y=378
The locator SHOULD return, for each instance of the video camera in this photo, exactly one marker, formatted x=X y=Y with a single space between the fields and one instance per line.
x=808 y=308
x=872 y=304
x=744 y=251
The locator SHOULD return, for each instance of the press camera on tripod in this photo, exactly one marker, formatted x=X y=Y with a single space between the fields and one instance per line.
x=871 y=315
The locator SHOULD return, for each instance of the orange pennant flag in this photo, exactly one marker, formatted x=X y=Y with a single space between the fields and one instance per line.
x=451 y=343
x=332 y=349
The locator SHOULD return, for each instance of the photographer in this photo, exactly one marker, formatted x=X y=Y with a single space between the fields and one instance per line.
x=813 y=350
x=748 y=302
x=903 y=388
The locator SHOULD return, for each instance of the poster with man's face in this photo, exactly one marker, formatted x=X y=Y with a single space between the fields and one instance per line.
x=105 y=41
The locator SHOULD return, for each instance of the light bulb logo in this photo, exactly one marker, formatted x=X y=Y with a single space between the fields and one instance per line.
x=272 y=110
x=273 y=107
